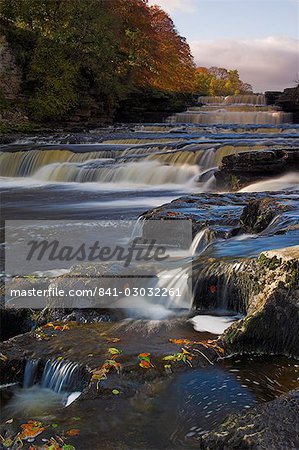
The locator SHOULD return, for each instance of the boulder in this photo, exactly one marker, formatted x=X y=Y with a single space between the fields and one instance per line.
x=240 y=170
x=271 y=325
x=271 y=426
x=289 y=101
x=259 y=213
x=14 y=322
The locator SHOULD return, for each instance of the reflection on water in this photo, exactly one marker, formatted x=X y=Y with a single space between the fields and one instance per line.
x=208 y=395
x=168 y=413
x=195 y=402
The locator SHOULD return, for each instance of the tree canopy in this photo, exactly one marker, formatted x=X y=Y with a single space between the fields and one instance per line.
x=94 y=52
x=220 y=81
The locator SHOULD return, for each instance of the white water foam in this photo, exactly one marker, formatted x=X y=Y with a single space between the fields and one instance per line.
x=213 y=324
x=284 y=182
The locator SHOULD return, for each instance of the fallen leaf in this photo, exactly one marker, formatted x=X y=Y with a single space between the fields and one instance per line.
x=184 y=356
x=180 y=341
x=73 y=432
x=143 y=355
x=48 y=325
x=3 y=357
x=115 y=392
x=109 y=363
x=99 y=374
x=114 y=351
x=31 y=429
x=145 y=364
x=112 y=339
x=213 y=289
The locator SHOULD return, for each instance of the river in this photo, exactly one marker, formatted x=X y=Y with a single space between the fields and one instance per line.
x=119 y=173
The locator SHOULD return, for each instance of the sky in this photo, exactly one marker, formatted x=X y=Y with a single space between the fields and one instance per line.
x=259 y=38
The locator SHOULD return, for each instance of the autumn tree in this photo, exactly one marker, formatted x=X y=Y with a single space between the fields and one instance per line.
x=96 y=52
x=220 y=81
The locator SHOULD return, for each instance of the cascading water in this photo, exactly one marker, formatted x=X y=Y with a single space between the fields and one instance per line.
x=46 y=387
x=147 y=173
x=30 y=373
x=157 y=167
x=61 y=376
x=200 y=241
x=216 y=286
x=129 y=170
x=223 y=115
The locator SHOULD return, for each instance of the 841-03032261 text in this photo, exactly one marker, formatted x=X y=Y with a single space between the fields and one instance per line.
x=98 y=291
x=140 y=292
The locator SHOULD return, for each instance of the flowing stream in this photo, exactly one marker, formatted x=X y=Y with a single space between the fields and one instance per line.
x=121 y=174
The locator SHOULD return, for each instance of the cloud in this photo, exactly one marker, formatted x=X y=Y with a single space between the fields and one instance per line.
x=269 y=63
x=171 y=6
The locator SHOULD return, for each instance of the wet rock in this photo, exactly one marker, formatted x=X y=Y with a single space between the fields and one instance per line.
x=272 y=97
x=226 y=215
x=78 y=315
x=14 y=322
x=225 y=285
x=272 y=321
x=239 y=170
x=258 y=214
x=289 y=101
x=272 y=426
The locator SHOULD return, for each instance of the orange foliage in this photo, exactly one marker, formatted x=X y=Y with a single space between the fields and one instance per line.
x=157 y=56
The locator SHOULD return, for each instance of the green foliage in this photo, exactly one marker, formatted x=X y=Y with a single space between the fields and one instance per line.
x=292 y=278
x=53 y=78
x=269 y=263
x=77 y=54
x=220 y=81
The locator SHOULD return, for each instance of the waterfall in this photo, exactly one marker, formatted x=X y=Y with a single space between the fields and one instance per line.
x=251 y=99
x=175 y=287
x=46 y=388
x=231 y=117
x=284 y=182
x=223 y=113
x=138 y=228
x=30 y=373
x=209 y=99
x=20 y=164
x=59 y=376
x=177 y=281
x=217 y=285
x=144 y=173
x=155 y=167
x=200 y=241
